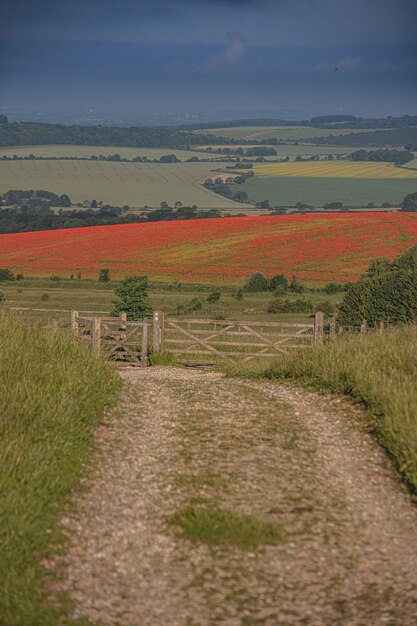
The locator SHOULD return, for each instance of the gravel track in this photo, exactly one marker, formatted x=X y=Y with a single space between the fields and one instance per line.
x=285 y=455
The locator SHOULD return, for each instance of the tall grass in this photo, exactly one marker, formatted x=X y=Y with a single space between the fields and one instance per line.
x=53 y=393
x=377 y=370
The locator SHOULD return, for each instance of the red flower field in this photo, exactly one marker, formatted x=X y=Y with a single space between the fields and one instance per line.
x=316 y=248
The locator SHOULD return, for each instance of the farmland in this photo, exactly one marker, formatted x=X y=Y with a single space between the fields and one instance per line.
x=282 y=133
x=86 y=152
x=134 y=184
x=288 y=150
x=335 y=169
x=316 y=248
x=328 y=181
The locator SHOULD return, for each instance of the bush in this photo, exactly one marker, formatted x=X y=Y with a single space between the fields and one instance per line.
x=326 y=307
x=133 y=298
x=104 y=275
x=386 y=292
x=44 y=297
x=295 y=286
x=280 y=305
x=55 y=278
x=332 y=288
x=19 y=277
x=214 y=296
x=6 y=274
x=257 y=282
x=238 y=294
x=278 y=284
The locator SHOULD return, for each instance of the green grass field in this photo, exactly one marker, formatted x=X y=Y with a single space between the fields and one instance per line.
x=134 y=184
x=318 y=191
x=53 y=395
x=89 y=295
x=284 y=133
x=88 y=151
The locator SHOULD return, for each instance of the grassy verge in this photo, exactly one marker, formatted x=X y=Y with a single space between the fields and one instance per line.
x=53 y=393
x=378 y=370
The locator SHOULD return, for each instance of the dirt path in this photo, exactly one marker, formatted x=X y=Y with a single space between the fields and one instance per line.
x=347 y=554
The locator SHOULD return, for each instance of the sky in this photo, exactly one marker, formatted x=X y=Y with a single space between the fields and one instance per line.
x=133 y=60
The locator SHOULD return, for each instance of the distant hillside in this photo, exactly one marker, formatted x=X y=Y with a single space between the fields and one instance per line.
x=31 y=133
x=406 y=136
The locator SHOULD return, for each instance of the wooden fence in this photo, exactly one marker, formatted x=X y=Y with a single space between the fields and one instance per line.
x=195 y=340
x=114 y=337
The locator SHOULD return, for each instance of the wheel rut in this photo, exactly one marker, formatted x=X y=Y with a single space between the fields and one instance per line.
x=302 y=463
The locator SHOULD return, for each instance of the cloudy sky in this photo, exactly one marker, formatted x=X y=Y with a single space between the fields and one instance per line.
x=206 y=56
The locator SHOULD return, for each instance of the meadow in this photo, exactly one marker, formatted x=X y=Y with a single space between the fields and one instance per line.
x=134 y=184
x=282 y=133
x=316 y=248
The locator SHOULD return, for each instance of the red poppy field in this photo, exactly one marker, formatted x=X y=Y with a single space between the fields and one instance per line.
x=316 y=248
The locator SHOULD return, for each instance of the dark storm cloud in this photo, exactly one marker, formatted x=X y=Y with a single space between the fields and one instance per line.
x=187 y=53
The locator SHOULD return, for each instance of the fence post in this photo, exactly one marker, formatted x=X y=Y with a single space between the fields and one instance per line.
x=381 y=326
x=332 y=330
x=161 y=331
x=144 y=353
x=318 y=330
x=156 y=332
x=54 y=325
x=123 y=319
x=364 y=327
x=96 y=335
x=74 y=323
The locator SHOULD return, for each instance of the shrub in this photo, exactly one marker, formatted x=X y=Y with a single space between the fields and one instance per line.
x=257 y=282
x=6 y=274
x=332 y=288
x=278 y=284
x=55 y=278
x=238 y=294
x=44 y=297
x=19 y=277
x=133 y=298
x=214 y=296
x=295 y=286
x=280 y=305
x=326 y=307
x=104 y=275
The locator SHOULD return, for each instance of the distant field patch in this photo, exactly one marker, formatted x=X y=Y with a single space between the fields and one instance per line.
x=316 y=248
x=88 y=151
x=283 y=133
x=134 y=184
x=335 y=169
x=288 y=190
x=305 y=150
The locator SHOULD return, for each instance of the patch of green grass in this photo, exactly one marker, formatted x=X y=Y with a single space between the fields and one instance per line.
x=216 y=526
x=379 y=371
x=53 y=394
x=162 y=358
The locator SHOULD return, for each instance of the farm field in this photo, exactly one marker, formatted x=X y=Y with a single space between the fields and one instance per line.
x=316 y=248
x=284 y=133
x=89 y=151
x=88 y=295
x=335 y=169
x=305 y=150
x=134 y=184
x=288 y=190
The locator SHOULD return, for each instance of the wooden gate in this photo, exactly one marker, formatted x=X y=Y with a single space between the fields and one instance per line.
x=230 y=340
x=114 y=337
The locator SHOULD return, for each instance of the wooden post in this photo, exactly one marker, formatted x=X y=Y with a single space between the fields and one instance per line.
x=74 y=323
x=123 y=320
x=161 y=331
x=318 y=330
x=332 y=330
x=96 y=335
x=144 y=353
x=156 y=332
x=364 y=327
x=381 y=326
x=54 y=325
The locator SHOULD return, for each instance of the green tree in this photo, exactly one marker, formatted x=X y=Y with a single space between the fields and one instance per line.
x=133 y=297
x=257 y=282
x=214 y=296
x=104 y=275
x=278 y=283
x=6 y=274
x=295 y=286
x=410 y=202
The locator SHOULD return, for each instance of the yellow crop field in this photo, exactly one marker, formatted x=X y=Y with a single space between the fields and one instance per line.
x=334 y=169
